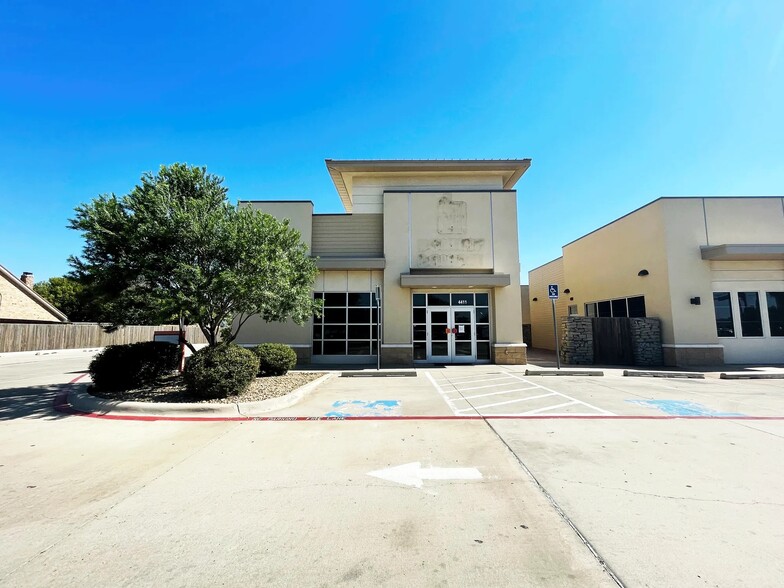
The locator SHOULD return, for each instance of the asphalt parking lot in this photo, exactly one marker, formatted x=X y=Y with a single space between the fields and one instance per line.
x=458 y=476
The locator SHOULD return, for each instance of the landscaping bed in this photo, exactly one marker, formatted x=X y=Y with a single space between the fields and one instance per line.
x=172 y=389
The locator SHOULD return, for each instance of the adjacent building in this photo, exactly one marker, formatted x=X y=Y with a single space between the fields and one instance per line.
x=436 y=239
x=20 y=303
x=711 y=269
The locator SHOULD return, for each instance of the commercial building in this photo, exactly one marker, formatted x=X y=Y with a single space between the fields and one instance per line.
x=711 y=269
x=437 y=238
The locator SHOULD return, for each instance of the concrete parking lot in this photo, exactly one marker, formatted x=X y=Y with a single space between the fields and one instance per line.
x=460 y=476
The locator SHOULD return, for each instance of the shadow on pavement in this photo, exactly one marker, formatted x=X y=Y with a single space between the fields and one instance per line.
x=32 y=402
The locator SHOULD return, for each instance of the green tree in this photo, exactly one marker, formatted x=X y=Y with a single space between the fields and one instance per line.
x=175 y=246
x=68 y=295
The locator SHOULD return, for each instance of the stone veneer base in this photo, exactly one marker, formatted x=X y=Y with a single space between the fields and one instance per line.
x=397 y=356
x=692 y=356
x=510 y=354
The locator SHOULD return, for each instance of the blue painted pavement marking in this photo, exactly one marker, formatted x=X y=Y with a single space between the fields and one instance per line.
x=345 y=408
x=683 y=408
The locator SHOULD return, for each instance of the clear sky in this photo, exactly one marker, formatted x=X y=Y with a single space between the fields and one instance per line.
x=616 y=102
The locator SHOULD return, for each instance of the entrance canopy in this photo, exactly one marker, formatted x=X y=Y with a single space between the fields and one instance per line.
x=494 y=280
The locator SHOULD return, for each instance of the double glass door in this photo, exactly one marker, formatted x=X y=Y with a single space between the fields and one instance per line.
x=452 y=335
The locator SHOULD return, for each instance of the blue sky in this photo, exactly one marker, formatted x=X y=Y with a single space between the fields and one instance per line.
x=616 y=102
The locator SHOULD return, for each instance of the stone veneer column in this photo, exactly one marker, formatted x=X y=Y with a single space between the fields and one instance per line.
x=510 y=353
x=646 y=341
x=394 y=355
x=577 y=340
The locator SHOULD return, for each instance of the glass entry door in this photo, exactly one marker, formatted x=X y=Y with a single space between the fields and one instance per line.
x=451 y=335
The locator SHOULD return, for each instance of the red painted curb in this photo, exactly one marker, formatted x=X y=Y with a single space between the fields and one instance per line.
x=61 y=405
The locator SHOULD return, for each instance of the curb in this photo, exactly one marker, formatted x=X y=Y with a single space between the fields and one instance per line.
x=751 y=376
x=84 y=402
x=566 y=372
x=663 y=374
x=281 y=402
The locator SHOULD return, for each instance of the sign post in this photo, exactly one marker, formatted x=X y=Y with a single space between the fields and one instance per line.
x=552 y=293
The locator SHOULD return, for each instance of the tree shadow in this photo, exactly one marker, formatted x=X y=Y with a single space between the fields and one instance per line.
x=33 y=402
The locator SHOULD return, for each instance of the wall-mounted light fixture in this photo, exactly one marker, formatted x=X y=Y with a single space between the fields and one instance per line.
x=535 y=299
x=695 y=300
x=567 y=291
x=571 y=298
x=642 y=272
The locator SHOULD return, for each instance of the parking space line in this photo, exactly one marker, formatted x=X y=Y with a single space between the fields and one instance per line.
x=511 y=383
x=440 y=390
x=514 y=401
x=592 y=407
x=497 y=393
x=473 y=379
x=538 y=410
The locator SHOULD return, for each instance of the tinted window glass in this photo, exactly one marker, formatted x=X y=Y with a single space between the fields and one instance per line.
x=462 y=299
x=722 y=306
x=359 y=315
x=481 y=299
x=482 y=316
x=419 y=299
x=438 y=299
x=750 y=318
x=335 y=347
x=637 y=307
x=359 y=299
x=776 y=313
x=603 y=309
x=619 y=308
x=590 y=309
x=359 y=332
x=334 y=315
x=334 y=331
x=335 y=299
x=420 y=315
x=359 y=347
x=483 y=350
x=420 y=350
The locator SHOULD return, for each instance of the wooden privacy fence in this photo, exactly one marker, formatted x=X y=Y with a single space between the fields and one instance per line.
x=39 y=337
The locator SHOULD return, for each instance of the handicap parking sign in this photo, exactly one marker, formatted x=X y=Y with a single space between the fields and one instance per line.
x=552 y=291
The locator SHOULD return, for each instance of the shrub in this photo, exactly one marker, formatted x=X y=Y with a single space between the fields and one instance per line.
x=124 y=367
x=275 y=359
x=220 y=371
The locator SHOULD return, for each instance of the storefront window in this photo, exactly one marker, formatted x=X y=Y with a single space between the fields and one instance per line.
x=722 y=306
x=776 y=313
x=348 y=325
x=750 y=317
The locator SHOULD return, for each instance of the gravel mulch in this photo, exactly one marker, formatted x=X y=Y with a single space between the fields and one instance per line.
x=173 y=390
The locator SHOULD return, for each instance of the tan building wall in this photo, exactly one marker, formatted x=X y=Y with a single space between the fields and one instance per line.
x=605 y=264
x=525 y=304
x=664 y=238
x=16 y=305
x=541 y=308
x=507 y=313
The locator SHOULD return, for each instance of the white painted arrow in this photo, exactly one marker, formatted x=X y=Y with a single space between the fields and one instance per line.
x=413 y=474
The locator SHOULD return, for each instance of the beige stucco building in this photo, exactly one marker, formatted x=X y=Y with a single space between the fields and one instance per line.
x=20 y=303
x=711 y=269
x=437 y=238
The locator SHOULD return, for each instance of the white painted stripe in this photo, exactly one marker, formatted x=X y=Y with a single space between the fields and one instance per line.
x=512 y=401
x=539 y=410
x=442 y=393
x=596 y=408
x=497 y=393
x=512 y=383
x=473 y=379
x=477 y=408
